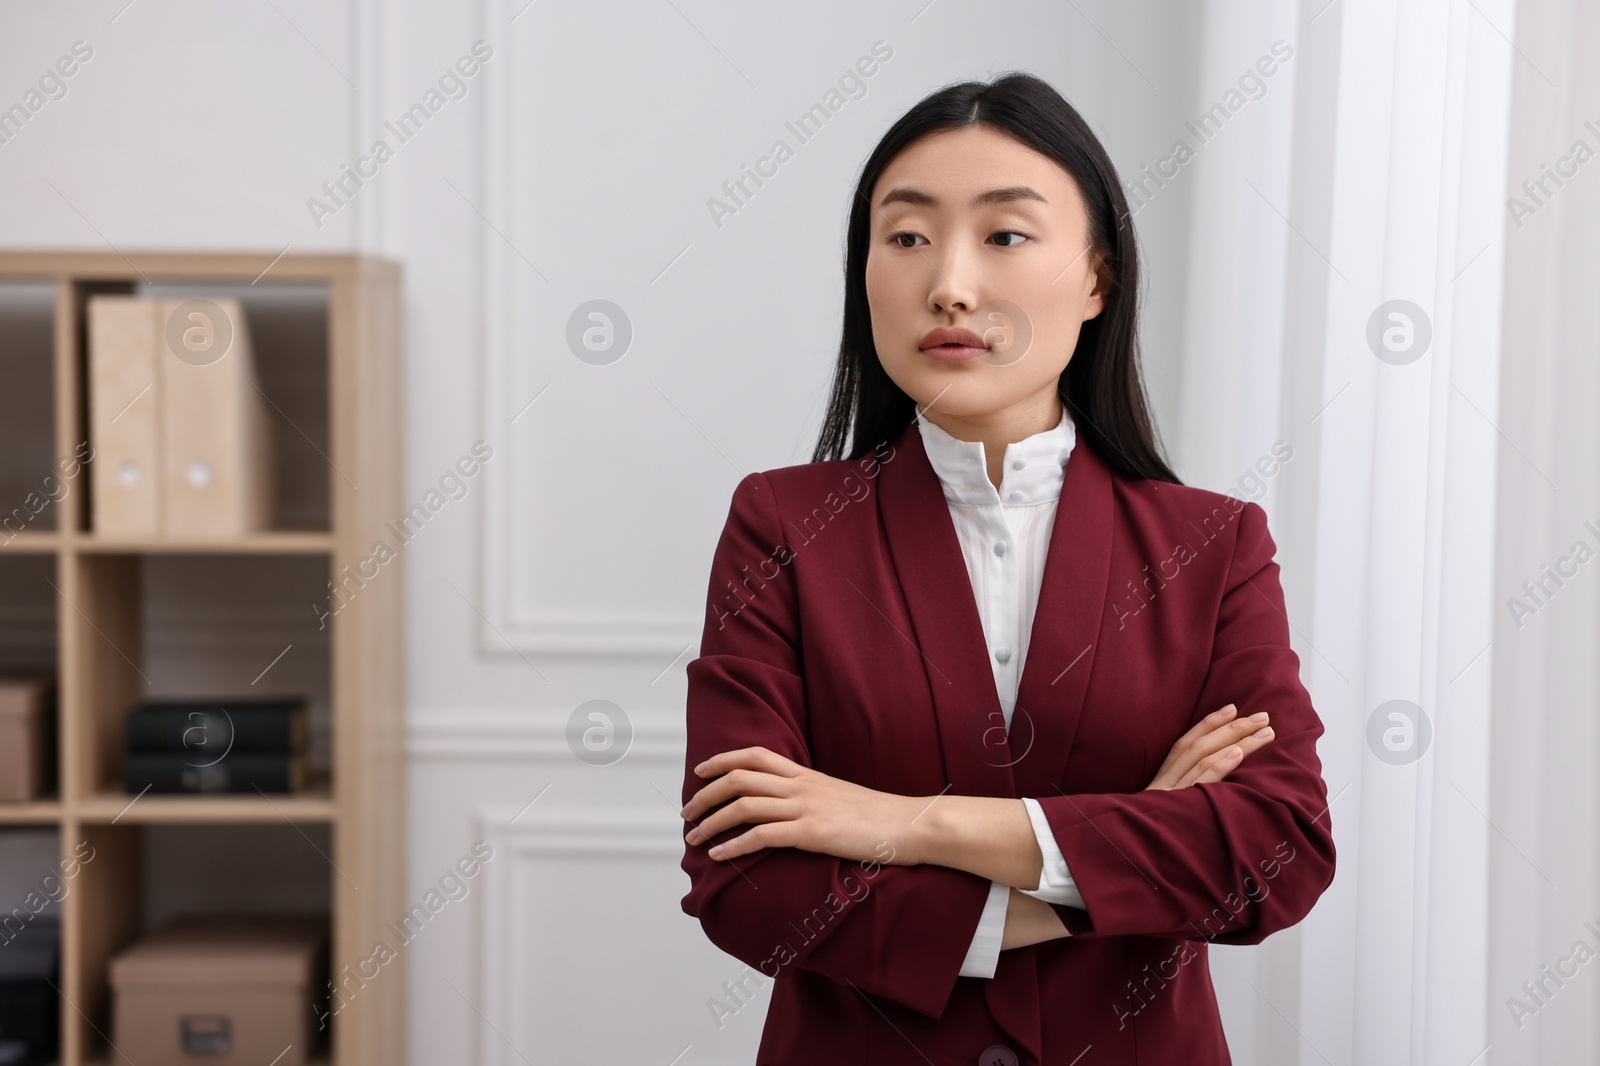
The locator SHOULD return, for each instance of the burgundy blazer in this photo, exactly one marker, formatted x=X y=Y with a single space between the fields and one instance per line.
x=842 y=632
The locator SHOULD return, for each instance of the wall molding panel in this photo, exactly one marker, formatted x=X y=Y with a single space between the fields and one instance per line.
x=522 y=735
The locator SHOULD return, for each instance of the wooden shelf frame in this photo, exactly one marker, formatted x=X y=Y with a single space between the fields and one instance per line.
x=97 y=615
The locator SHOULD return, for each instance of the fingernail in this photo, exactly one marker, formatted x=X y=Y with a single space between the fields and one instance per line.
x=1259 y=716
x=1235 y=753
x=716 y=852
x=1229 y=711
x=693 y=836
x=701 y=768
x=1265 y=733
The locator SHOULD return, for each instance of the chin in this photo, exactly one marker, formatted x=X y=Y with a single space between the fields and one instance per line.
x=965 y=402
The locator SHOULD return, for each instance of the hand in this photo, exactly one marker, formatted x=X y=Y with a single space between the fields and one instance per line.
x=793 y=806
x=1213 y=749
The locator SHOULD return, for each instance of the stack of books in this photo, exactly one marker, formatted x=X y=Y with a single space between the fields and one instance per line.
x=217 y=746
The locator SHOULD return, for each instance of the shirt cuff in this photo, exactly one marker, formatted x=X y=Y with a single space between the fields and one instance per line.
x=983 y=957
x=1055 y=880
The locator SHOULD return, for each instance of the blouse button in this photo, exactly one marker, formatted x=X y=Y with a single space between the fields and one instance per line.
x=1017 y=465
x=1016 y=497
x=999 y=547
x=1002 y=654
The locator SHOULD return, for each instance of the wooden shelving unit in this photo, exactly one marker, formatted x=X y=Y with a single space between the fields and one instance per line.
x=100 y=613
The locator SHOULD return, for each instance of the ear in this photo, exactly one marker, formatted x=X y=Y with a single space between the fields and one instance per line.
x=1095 y=302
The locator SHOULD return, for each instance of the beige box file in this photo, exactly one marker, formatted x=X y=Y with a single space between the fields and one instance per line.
x=125 y=414
x=216 y=439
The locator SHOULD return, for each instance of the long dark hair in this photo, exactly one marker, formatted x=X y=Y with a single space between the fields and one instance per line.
x=1101 y=386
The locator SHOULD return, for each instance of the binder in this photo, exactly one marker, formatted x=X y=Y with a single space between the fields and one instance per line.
x=125 y=415
x=182 y=435
x=216 y=436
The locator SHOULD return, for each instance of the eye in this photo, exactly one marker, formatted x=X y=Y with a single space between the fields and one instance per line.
x=894 y=238
x=1012 y=233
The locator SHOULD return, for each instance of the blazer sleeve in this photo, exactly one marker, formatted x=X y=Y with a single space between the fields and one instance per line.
x=896 y=931
x=1233 y=860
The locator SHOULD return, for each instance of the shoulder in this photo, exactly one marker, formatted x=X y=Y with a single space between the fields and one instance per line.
x=1192 y=516
x=803 y=487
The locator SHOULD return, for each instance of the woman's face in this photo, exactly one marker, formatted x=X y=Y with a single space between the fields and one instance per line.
x=971 y=229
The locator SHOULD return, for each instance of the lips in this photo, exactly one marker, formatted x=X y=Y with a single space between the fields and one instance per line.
x=950 y=344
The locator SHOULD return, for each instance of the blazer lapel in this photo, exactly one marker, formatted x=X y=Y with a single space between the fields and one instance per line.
x=944 y=615
x=1066 y=626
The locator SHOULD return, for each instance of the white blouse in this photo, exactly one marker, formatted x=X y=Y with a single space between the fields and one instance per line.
x=1004 y=536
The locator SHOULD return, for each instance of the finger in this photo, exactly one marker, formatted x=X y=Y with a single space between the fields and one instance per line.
x=752 y=758
x=1256 y=741
x=766 y=835
x=724 y=761
x=732 y=785
x=1209 y=722
x=1179 y=760
x=1218 y=768
x=1222 y=762
x=747 y=810
x=1188 y=753
x=1224 y=736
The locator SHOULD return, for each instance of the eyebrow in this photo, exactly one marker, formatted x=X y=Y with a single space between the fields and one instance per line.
x=907 y=195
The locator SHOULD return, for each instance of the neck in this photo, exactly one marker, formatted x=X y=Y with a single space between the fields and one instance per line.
x=996 y=429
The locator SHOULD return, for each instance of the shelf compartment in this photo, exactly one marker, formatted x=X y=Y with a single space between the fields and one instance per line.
x=289 y=327
x=154 y=626
x=29 y=649
x=140 y=876
x=31 y=892
x=31 y=485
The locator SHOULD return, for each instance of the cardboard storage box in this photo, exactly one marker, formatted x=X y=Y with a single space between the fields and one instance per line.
x=219 y=991
x=27 y=737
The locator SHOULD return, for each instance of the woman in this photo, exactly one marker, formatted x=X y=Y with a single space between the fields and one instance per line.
x=951 y=773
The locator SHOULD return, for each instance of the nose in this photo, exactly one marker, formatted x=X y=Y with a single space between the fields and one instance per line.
x=953 y=284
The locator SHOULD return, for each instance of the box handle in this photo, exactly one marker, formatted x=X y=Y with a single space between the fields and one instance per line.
x=206 y=1034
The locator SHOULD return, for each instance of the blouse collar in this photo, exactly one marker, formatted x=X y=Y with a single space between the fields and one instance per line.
x=1034 y=466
